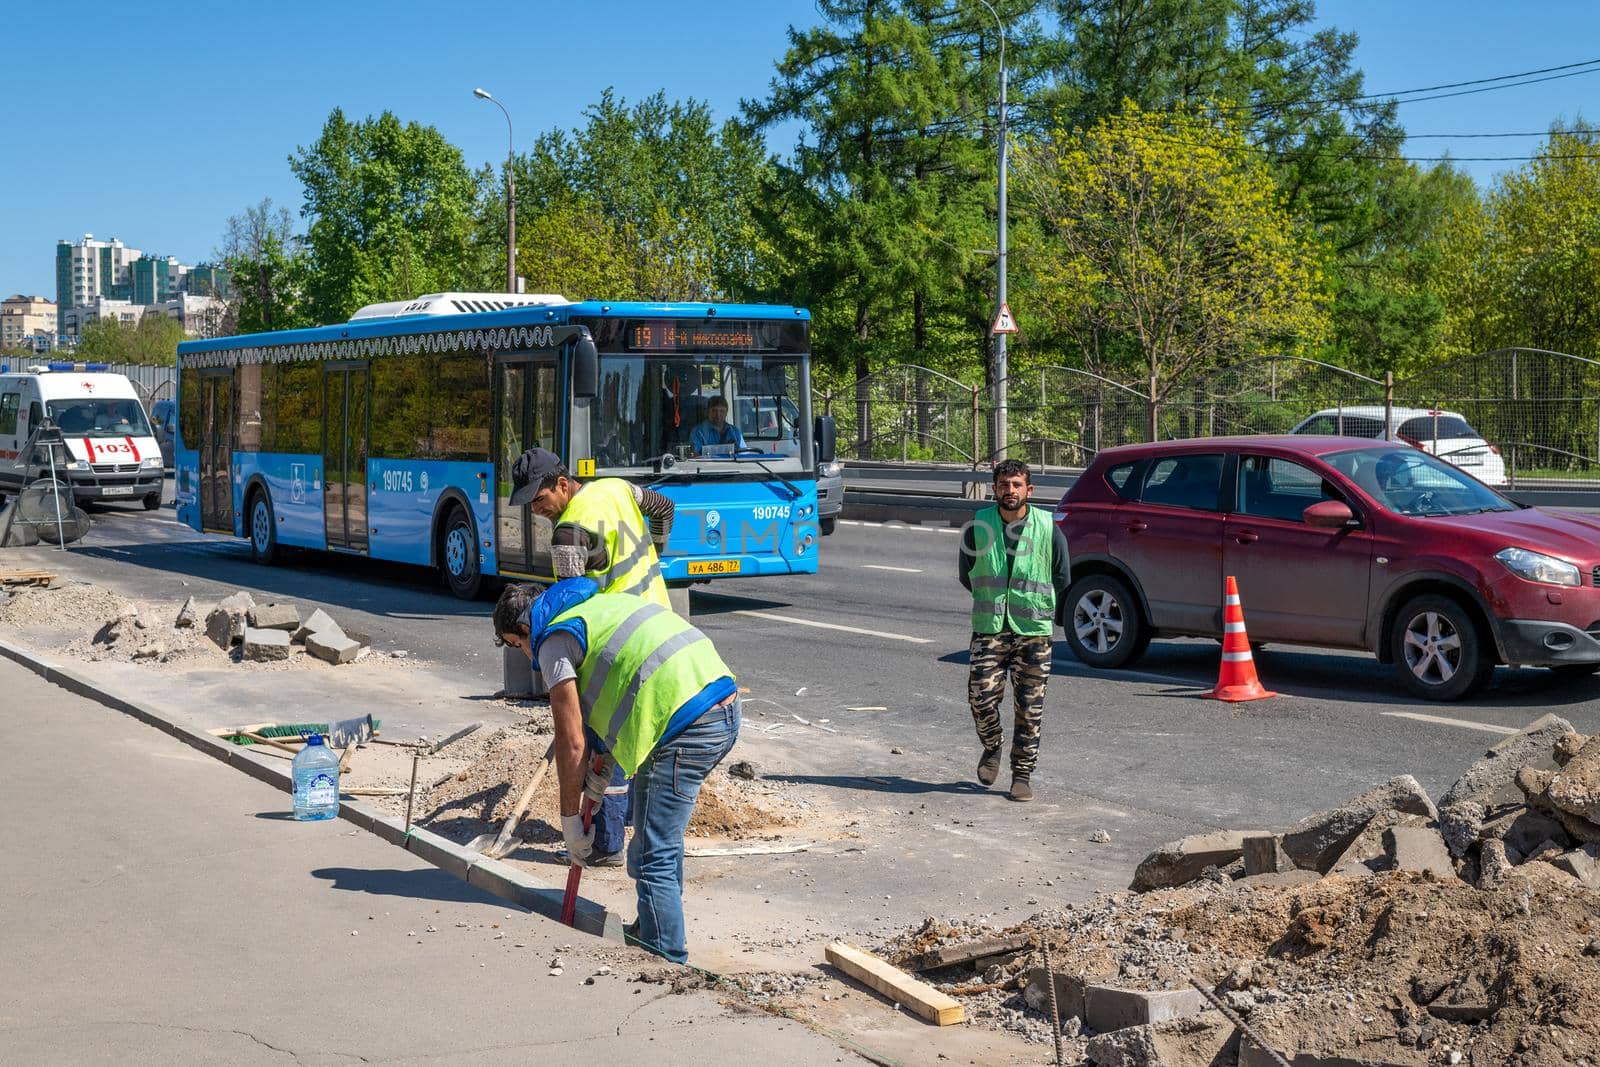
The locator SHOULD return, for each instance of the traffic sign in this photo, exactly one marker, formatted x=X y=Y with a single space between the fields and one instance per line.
x=1003 y=322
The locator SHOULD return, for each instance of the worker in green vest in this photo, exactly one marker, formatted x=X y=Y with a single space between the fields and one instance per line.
x=600 y=526
x=1014 y=562
x=629 y=678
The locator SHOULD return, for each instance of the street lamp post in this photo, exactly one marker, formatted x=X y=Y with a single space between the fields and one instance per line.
x=1000 y=260
x=511 y=194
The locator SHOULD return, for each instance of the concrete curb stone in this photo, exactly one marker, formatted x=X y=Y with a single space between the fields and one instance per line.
x=501 y=879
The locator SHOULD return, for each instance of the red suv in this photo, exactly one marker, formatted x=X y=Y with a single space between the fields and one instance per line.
x=1336 y=541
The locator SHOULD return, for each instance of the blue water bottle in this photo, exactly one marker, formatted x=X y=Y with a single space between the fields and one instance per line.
x=316 y=781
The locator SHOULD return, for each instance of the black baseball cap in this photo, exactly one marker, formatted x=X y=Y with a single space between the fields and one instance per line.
x=529 y=472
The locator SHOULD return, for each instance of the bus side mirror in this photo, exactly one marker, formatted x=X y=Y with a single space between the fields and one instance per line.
x=826 y=435
x=585 y=369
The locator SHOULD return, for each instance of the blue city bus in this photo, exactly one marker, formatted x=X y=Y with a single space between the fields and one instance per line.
x=392 y=436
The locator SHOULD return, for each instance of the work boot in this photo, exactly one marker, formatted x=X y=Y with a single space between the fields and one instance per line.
x=606 y=859
x=989 y=766
x=1021 y=790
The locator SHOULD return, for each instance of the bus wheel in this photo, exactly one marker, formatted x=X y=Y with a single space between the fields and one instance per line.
x=263 y=530
x=458 y=556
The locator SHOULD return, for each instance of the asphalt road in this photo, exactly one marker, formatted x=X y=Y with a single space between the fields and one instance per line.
x=884 y=626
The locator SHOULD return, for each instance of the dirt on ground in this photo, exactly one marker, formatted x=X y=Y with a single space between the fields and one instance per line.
x=1397 y=967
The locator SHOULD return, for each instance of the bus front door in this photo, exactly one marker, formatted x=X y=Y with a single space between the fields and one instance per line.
x=216 y=452
x=525 y=417
x=344 y=455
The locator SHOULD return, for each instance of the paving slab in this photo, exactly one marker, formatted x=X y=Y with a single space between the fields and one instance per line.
x=201 y=923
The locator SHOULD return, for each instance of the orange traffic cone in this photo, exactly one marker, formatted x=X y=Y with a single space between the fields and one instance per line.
x=1237 y=680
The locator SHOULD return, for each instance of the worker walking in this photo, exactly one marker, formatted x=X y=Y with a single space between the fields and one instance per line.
x=629 y=678
x=1014 y=562
x=600 y=527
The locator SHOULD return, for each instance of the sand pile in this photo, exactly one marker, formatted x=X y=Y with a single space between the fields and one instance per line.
x=75 y=605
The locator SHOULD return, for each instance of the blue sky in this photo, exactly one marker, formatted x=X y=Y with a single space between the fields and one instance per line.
x=165 y=124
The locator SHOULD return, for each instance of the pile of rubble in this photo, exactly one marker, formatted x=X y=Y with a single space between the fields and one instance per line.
x=1387 y=931
x=267 y=632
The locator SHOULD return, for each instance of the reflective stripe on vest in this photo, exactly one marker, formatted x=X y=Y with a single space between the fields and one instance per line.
x=1025 y=599
x=642 y=664
x=607 y=510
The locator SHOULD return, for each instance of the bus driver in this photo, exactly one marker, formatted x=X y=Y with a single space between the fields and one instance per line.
x=716 y=434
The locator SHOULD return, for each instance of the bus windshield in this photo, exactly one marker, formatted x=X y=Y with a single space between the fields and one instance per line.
x=99 y=418
x=712 y=413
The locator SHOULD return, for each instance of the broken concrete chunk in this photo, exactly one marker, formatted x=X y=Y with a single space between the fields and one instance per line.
x=1494 y=866
x=1489 y=781
x=1575 y=788
x=1567 y=746
x=1181 y=862
x=359 y=638
x=1460 y=825
x=154 y=650
x=1069 y=993
x=1582 y=863
x=1368 y=853
x=225 y=624
x=1420 y=849
x=188 y=616
x=1107 y=1008
x=1317 y=841
x=241 y=602
x=1264 y=854
x=1199 y=1039
x=318 y=622
x=265 y=645
x=275 y=617
x=1523 y=829
x=332 y=648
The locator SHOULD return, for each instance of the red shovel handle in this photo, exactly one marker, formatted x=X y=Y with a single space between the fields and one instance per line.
x=569 y=903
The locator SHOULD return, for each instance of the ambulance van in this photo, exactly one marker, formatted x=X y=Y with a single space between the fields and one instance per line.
x=112 y=453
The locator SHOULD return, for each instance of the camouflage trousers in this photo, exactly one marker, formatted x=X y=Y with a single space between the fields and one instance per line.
x=1027 y=661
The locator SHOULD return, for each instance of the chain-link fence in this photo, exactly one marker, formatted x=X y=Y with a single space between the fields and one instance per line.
x=1512 y=416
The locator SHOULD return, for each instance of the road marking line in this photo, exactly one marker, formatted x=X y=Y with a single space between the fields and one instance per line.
x=874 y=707
x=1486 y=727
x=832 y=626
x=886 y=567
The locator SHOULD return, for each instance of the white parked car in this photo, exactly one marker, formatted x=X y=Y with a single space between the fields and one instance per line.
x=1445 y=434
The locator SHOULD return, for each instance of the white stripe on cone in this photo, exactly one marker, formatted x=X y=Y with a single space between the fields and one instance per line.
x=1235 y=657
x=1233 y=628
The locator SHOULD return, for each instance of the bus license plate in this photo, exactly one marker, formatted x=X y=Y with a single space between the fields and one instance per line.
x=714 y=566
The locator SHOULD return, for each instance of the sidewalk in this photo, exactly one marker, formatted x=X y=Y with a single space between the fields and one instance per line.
x=163 y=908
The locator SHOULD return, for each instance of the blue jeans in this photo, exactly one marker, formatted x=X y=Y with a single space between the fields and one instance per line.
x=611 y=818
x=664 y=792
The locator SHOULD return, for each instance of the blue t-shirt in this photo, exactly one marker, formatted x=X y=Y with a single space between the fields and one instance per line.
x=707 y=436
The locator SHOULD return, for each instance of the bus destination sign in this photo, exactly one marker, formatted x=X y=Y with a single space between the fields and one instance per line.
x=677 y=335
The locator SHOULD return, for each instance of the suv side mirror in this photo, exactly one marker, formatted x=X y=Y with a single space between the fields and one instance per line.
x=585 y=368
x=826 y=435
x=1329 y=515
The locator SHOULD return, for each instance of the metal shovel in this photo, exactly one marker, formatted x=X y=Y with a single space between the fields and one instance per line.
x=496 y=845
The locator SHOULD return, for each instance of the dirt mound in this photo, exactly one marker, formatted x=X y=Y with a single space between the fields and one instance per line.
x=480 y=795
x=1404 y=968
x=75 y=605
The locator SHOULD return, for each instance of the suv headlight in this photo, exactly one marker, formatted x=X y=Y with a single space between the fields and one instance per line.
x=78 y=465
x=1538 y=567
x=830 y=470
x=150 y=463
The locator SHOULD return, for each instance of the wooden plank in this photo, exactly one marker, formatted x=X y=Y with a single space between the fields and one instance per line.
x=951 y=955
x=916 y=996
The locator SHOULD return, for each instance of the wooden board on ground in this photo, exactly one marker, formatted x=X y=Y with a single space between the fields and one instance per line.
x=950 y=955
x=914 y=995
x=41 y=578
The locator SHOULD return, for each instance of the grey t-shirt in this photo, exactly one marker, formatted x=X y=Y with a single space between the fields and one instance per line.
x=559 y=657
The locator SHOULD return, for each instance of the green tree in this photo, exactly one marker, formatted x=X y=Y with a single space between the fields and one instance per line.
x=1184 y=250
x=268 y=267
x=153 y=340
x=390 y=208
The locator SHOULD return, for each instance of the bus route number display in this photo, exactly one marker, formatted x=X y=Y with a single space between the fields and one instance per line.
x=672 y=336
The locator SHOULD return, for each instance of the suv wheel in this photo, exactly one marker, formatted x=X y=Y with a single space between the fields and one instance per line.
x=1438 y=649
x=1102 y=622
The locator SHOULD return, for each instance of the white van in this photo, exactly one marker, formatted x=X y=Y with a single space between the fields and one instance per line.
x=114 y=455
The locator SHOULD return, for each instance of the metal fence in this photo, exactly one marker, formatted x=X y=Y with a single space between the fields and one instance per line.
x=1531 y=416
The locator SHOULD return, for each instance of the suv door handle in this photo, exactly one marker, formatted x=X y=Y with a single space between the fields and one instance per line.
x=1136 y=526
x=1245 y=537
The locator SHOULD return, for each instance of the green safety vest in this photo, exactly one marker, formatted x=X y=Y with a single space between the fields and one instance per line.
x=607 y=511
x=642 y=664
x=1013 y=593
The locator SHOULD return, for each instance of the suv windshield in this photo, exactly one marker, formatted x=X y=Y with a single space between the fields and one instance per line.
x=1411 y=482
x=712 y=413
x=99 y=418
